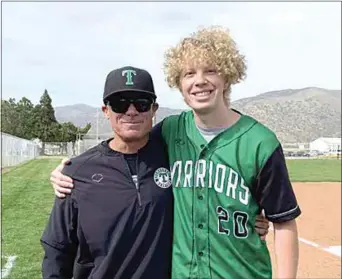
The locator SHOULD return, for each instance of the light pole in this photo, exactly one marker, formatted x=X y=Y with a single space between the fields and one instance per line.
x=97 y=125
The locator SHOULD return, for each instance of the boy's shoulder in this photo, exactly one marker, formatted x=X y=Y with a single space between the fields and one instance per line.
x=261 y=132
x=178 y=120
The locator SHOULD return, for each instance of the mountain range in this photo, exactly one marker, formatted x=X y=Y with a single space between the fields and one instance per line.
x=295 y=115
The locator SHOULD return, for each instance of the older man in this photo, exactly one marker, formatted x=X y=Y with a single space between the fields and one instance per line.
x=117 y=223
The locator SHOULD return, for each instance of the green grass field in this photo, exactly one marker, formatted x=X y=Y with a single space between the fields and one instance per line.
x=27 y=198
x=314 y=170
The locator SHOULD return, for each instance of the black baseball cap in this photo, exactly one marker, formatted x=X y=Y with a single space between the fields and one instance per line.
x=129 y=80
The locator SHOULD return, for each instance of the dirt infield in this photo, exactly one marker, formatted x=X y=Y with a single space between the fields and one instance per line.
x=319 y=229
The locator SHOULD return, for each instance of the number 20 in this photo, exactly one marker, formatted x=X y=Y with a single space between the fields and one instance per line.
x=239 y=221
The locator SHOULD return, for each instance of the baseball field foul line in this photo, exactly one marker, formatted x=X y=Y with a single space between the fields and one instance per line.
x=334 y=250
x=8 y=266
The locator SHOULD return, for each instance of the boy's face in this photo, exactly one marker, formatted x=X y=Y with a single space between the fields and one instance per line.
x=202 y=87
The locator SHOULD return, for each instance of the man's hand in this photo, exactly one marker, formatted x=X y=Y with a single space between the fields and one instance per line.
x=61 y=184
x=262 y=225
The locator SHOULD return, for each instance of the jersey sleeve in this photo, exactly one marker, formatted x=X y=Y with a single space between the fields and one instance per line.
x=59 y=240
x=273 y=189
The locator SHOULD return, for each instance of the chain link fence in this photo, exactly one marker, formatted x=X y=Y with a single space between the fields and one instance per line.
x=88 y=141
x=84 y=145
x=16 y=150
x=67 y=149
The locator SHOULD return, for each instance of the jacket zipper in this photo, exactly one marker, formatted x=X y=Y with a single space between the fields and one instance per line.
x=135 y=184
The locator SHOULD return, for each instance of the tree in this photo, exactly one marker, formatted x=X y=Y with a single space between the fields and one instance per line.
x=17 y=118
x=70 y=133
x=83 y=131
x=25 y=119
x=8 y=116
x=46 y=125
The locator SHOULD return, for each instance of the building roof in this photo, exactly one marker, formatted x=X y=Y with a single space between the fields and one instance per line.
x=331 y=140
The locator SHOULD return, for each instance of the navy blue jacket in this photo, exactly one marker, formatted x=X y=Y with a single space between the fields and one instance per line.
x=110 y=227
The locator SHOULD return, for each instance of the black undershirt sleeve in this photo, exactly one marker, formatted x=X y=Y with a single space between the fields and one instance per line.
x=273 y=190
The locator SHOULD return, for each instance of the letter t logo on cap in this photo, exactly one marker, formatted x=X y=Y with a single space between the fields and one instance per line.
x=129 y=76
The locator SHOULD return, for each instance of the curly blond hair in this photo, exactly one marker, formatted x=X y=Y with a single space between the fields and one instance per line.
x=213 y=46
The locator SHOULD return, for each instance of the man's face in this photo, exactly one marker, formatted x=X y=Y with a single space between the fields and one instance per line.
x=130 y=117
x=202 y=88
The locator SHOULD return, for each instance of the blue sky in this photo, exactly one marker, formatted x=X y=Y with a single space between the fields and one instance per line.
x=69 y=48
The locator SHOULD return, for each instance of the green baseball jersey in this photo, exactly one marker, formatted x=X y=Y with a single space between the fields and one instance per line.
x=218 y=190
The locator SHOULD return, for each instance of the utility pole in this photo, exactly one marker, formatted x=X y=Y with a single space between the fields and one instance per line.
x=97 y=125
x=338 y=152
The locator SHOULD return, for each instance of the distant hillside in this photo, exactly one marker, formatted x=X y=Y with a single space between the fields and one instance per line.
x=81 y=114
x=299 y=115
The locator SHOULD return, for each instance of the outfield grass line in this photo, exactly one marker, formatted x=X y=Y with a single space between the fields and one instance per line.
x=8 y=266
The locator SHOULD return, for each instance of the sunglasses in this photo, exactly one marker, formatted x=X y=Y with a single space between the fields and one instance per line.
x=121 y=105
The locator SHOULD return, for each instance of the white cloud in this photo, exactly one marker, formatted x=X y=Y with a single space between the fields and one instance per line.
x=69 y=48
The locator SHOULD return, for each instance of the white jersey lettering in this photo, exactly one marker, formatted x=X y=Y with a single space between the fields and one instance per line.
x=188 y=174
x=219 y=180
x=177 y=166
x=244 y=195
x=200 y=173
x=232 y=184
x=218 y=177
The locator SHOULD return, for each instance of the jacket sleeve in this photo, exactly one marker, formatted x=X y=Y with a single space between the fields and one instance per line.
x=59 y=240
